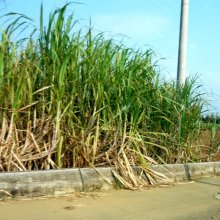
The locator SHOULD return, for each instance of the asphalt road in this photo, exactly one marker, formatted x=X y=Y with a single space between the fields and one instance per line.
x=194 y=200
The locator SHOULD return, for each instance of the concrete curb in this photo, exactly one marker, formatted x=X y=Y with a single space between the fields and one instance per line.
x=66 y=181
x=188 y=171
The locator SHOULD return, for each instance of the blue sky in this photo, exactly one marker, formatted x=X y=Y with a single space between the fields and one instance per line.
x=151 y=24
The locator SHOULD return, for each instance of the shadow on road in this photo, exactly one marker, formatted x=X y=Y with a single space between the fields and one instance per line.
x=208 y=183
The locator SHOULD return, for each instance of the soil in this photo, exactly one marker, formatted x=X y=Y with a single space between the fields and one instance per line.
x=199 y=200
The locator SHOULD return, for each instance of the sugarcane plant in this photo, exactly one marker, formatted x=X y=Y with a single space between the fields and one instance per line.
x=74 y=99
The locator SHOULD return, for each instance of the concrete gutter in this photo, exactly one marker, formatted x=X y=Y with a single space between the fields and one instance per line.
x=66 y=181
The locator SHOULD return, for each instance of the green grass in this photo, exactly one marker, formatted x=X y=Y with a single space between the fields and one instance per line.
x=74 y=100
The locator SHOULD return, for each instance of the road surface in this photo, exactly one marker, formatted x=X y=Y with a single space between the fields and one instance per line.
x=194 y=200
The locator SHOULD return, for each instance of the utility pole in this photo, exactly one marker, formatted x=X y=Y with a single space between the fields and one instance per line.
x=181 y=69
